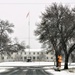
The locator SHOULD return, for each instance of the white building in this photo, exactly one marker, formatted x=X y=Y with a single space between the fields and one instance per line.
x=33 y=54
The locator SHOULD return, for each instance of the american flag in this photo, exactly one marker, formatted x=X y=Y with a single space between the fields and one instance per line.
x=27 y=15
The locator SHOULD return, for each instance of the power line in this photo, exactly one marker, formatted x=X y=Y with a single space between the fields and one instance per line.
x=38 y=3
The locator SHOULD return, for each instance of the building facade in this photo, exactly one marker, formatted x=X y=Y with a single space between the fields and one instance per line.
x=33 y=54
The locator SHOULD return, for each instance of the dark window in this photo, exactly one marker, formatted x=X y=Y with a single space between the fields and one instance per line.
x=33 y=57
x=47 y=57
x=25 y=58
x=37 y=52
x=37 y=57
x=51 y=57
x=21 y=57
x=34 y=53
x=7 y=57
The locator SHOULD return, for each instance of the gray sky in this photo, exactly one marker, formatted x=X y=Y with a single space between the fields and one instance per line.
x=15 y=12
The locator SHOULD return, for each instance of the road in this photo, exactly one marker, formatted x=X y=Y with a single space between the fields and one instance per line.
x=26 y=71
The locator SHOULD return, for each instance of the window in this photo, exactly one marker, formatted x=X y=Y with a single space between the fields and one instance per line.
x=52 y=52
x=29 y=53
x=7 y=57
x=21 y=52
x=51 y=57
x=47 y=57
x=33 y=52
x=41 y=52
x=37 y=52
x=24 y=52
x=37 y=57
x=25 y=58
x=33 y=57
x=30 y=57
x=21 y=57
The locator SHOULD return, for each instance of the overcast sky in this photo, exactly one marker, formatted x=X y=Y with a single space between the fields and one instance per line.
x=15 y=12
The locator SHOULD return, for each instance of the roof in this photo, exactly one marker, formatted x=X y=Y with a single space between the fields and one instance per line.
x=33 y=50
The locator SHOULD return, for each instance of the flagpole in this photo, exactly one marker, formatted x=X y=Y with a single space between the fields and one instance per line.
x=28 y=15
x=29 y=35
x=29 y=32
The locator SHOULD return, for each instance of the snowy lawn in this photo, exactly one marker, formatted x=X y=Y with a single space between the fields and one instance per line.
x=25 y=64
x=8 y=64
x=65 y=72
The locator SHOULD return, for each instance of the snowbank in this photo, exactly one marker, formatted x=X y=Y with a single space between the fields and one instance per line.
x=5 y=69
x=11 y=64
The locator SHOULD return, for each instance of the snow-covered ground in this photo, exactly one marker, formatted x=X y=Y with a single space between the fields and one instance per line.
x=11 y=64
x=48 y=66
x=5 y=66
x=26 y=64
x=65 y=72
x=5 y=69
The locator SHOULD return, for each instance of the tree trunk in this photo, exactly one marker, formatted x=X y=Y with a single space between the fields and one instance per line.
x=56 y=59
x=66 y=61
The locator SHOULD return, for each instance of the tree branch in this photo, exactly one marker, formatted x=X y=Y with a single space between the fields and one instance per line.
x=71 y=48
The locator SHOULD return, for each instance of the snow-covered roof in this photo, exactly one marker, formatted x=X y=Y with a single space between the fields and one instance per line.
x=33 y=50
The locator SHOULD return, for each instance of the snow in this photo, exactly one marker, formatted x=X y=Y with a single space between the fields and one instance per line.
x=5 y=69
x=47 y=66
x=66 y=72
x=33 y=50
x=26 y=64
x=19 y=63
